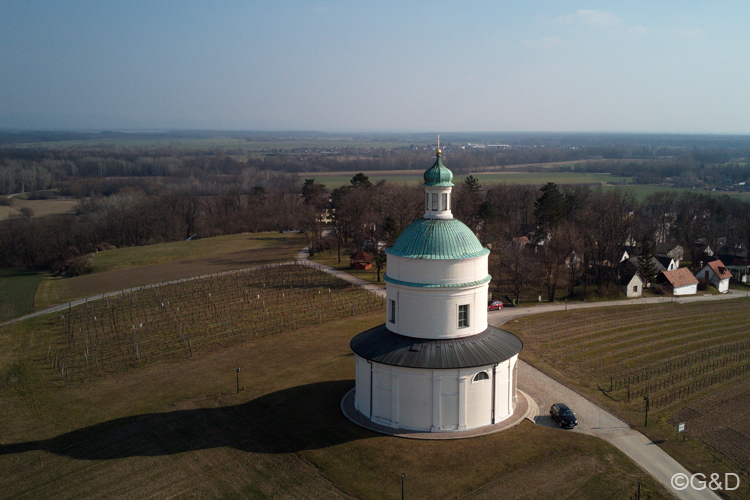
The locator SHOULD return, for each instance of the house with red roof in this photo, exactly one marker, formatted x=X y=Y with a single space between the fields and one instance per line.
x=681 y=281
x=717 y=274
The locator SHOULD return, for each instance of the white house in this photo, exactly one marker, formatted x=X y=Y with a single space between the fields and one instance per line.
x=681 y=281
x=631 y=283
x=435 y=365
x=667 y=263
x=717 y=274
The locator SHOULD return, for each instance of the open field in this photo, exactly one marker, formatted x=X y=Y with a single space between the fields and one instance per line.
x=333 y=180
x=40 y=208
x=184 y=319
x=235 y=144
x=177 y=427
x=164 y=253
x=692 y=360
x=17 y=289
x=139 y=266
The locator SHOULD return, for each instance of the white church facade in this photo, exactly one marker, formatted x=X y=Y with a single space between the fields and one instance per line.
x=436 y=365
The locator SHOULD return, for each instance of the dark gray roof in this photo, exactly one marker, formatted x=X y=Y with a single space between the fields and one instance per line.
x=487 y=348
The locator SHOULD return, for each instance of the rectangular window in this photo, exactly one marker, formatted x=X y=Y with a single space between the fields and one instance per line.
x=434 y=202
x=635 y=288
x=463 y=316
x=427 y=201
x=392 y=317
x=445 y=201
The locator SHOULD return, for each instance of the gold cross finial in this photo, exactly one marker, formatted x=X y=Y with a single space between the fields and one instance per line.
x=438 y=150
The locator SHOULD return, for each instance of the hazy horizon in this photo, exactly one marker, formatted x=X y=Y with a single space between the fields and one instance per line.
x=333 y=66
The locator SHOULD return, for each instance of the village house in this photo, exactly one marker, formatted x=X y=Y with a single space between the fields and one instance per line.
x=717 y=274
x=674 y=251
x=680 y=281
x=738 y=264
x=361 y=260
x=631 y=282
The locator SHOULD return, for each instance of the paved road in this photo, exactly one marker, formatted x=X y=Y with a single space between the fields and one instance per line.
x=595 y=421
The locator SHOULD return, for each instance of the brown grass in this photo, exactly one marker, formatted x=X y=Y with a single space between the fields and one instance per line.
x=40 y=208
x=60 y=290
x=178 y=428
x=660 y=350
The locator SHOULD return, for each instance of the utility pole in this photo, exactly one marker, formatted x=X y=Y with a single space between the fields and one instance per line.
x=238 y=380
x=402 y=485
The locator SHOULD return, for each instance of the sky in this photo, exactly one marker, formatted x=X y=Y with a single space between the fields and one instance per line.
x=357 y=66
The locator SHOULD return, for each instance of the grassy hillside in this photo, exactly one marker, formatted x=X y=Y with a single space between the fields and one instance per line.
x=178 y=427
x=17 y=289
x=138 y=266
x=163 y=253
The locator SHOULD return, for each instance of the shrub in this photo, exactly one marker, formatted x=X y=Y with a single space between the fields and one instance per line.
x=6 y=202
x=78 y=266
x=104 y=246
x=41 y=195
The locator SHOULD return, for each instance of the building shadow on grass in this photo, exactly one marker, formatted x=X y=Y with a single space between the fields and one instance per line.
x=305 y=417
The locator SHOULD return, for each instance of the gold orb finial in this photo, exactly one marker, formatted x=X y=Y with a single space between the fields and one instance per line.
x=438 y=149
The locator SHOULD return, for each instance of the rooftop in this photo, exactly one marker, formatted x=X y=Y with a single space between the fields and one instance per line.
x=437 y=239
x=438 y=174
x=487 y=348
x=680 y=277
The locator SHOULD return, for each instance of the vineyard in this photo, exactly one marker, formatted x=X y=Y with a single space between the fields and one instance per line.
x=185 y=319
x=667 y=352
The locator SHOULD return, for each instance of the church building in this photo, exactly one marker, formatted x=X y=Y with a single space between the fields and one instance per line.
x=436 y=365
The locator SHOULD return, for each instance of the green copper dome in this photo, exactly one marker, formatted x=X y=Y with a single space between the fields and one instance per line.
x=438 y=174
x=437 y=239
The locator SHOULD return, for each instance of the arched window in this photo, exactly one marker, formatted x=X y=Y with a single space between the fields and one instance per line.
x=481 y=376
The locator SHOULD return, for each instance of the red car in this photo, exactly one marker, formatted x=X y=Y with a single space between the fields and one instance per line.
x=494 y=305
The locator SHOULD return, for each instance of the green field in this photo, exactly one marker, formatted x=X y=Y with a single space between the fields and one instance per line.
x=607 y=181
x=17 y=289
x=485 y=178
x=184 y=250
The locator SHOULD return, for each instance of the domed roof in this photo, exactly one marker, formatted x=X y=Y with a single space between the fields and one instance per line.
x=438 y=174
x=437 y=239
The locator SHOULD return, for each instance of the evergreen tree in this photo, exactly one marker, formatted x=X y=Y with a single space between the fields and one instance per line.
x=472 y=184
x=646 y=261
x=360 y=180
x=549 y=208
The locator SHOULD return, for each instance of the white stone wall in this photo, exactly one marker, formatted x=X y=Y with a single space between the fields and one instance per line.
x=721 y=285
x=687 y=290
x=437 y=272
x=433 y=312
x=434 y=400
x=443 y=208
x=636 y=282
